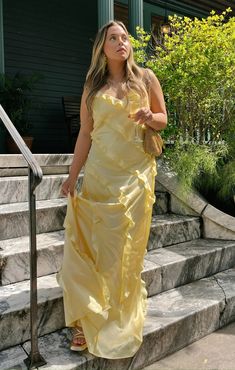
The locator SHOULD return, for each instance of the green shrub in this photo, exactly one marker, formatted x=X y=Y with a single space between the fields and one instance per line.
x=196 y=68
x=16 y=98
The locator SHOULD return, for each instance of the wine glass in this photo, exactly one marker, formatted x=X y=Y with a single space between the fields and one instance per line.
x=134 y=107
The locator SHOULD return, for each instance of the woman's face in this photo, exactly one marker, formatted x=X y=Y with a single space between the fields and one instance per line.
x=117 y=45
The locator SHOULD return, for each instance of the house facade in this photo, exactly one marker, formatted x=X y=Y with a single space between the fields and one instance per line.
x=54 y=39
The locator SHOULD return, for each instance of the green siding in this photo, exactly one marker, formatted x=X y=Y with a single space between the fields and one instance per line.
x=1 y=39
x=52 y=38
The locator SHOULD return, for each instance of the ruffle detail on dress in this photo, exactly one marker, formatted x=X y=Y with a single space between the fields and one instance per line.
x=150 y=196
x=128 y=254
x=118 y=161
x=128 y=163
x=131 y=96
x=107 y=227
x=127 y=238
x=126 y=199
x=111 y=99
x=99 y=303
x=104 y=181
x=127 y=131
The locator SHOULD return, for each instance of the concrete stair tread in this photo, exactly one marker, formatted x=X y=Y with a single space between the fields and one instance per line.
x=174 y=319
x=15 y=189
x=183 y=263
x=51 y=213
x=15 y=297
x=171 y=218
x=14 y=252
x=23 y=206
x=48 y=203
x=47 y=159
x=25 y=177
x=14 y=221
x=189 y=249
x=169 y=229
x=14 y=256
x=161 y=258
x=21 y=244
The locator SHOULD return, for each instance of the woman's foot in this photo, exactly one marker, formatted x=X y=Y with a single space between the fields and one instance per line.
x=78 y=342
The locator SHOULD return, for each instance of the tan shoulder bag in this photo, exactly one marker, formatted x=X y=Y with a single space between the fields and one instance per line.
x=153 y=142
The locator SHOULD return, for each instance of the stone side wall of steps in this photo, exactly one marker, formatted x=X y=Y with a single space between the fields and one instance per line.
x=216 y=224
x=189 y=279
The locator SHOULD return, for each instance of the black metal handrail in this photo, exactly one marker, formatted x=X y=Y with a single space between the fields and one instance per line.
x=35 y=175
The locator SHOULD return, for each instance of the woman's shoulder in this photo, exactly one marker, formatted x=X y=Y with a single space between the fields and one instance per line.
x=146 y=76
x=147 y=72
x=150 y=77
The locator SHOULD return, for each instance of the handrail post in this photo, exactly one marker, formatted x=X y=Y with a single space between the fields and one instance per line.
x=34 y=358
x=35 y=175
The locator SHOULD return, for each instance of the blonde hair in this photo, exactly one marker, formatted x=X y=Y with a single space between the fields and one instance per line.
x=98 y=72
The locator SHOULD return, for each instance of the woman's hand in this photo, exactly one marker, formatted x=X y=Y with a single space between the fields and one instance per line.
x=68 y=187
x=142 y=116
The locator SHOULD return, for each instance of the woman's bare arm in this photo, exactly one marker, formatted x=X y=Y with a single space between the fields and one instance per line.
x=157 y=104
x=82 y=147
x=156 y=115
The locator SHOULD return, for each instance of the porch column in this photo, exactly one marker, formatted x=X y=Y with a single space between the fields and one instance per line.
x=105 y=11
x=1 y=40
x=135 y=15
x=2 y=70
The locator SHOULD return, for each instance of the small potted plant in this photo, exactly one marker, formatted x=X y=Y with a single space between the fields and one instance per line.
x=17 y=102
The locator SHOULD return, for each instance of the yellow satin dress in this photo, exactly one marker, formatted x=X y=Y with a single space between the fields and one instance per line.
x=106 y=233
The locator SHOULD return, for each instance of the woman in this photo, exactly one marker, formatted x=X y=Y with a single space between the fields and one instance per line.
x=107 y=223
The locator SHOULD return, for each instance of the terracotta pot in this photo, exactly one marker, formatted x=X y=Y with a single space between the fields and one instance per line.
x=12 y=147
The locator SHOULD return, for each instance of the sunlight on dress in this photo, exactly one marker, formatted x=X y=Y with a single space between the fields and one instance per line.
x=106 y=233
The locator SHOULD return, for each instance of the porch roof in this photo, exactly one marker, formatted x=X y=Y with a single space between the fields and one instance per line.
x=203 y=5
x=208 y=5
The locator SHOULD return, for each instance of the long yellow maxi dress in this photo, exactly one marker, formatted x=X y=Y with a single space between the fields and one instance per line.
x=106 y=232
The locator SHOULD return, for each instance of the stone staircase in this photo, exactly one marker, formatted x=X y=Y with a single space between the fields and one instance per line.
x=190 y=280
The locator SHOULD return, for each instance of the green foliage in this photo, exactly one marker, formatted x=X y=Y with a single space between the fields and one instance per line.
x=196 y=68
x=220 y=188
x=16 y=100
x=191 y=161
x=227 y=187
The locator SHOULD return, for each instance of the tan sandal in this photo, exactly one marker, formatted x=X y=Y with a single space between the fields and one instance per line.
x=77 y=334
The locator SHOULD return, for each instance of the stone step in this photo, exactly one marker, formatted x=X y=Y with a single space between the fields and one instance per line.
x=14 y=253
x=162 y=204
x=13 y=172
x=169 y=229
x=14 y=256
x=15 y=164
x=14 y=217
x=163 y=270
x=186 y=262
x=175 y=318
x=50 y=217
x=14 y=189
x=44 y=160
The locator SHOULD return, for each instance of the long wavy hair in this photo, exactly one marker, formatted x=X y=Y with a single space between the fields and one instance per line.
x=98 y=71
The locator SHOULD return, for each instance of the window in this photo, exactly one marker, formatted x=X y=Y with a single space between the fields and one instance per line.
x=156 y=23
x=121 y=13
